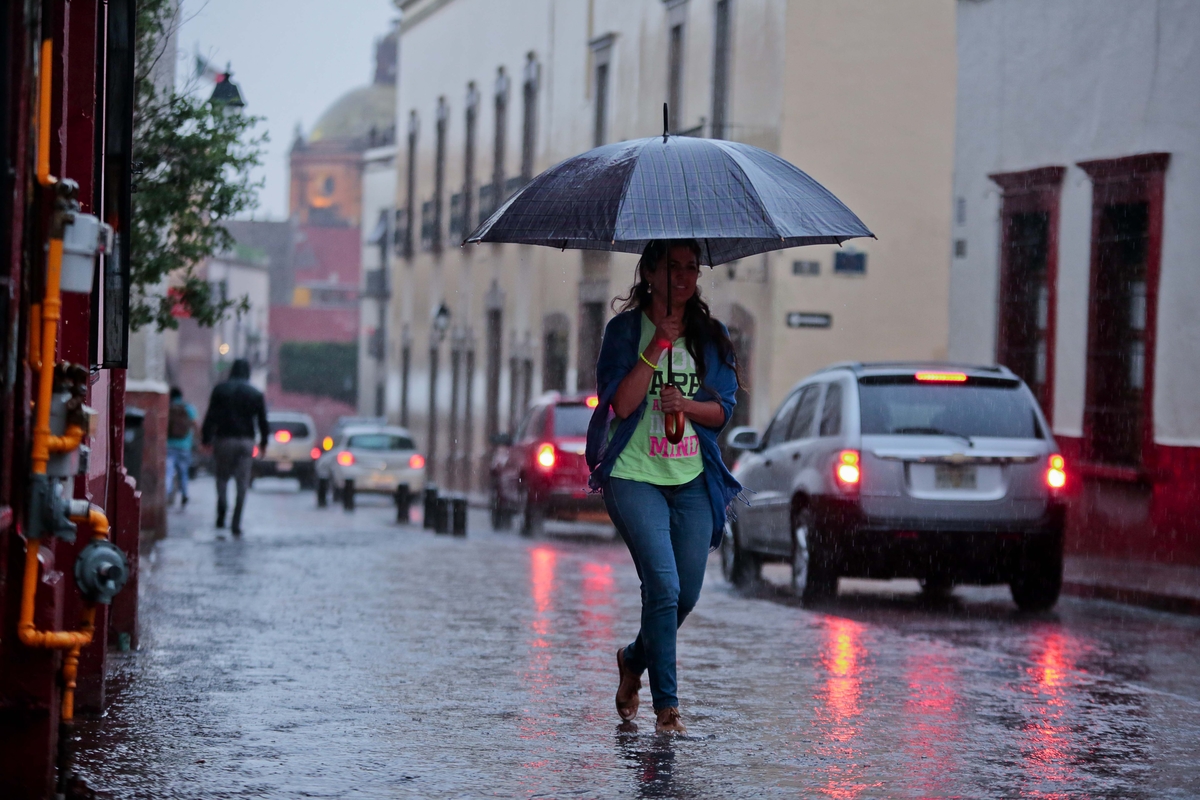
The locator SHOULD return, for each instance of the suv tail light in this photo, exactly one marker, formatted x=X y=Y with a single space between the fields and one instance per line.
x=1056 y=474
x=345 y=458
x=847 y=470
x=315 y=453
x=283 y=437
x=416 y=461
x=546 y=456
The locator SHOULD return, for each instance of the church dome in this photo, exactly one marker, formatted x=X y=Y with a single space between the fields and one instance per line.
x=358 y=113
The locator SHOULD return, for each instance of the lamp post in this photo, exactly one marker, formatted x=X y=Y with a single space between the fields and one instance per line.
x=226 y=96
x=438 y=328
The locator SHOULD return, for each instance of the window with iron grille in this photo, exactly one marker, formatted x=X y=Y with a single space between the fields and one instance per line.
x=411 y=184
x=675 y=75
x=1025 y=300
x=456 y=218
x=1127 y=216
x=556 y=346
x=487 y=202
x=428 y=224
x=529 y=121
x=1028 y=277
x=439 y=174
x=720 y=96
x=468 y=190
x=500 y=143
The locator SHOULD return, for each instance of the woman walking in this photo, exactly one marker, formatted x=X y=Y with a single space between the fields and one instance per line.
x=667 y=501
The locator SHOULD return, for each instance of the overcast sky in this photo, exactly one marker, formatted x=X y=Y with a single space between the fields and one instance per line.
x=291 y=59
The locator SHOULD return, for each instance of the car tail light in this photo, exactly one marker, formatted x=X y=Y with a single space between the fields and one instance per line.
x=416 y=461
x=847 y=469
x=593 y=401
x=255 y=453
x=1056 y=475
x=941 y=377
x=327 y=443
x=283 y=437
x=345 y=458
x=315 y=452
x=546 y=456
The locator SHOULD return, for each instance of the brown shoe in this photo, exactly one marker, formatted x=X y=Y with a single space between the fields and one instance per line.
x=627 y=689
x=669 y=721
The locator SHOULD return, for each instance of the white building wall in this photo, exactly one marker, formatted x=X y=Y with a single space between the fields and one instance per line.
x=378 y=194
x=1045 y=84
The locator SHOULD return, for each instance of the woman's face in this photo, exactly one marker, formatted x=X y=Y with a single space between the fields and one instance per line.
x=679 y=266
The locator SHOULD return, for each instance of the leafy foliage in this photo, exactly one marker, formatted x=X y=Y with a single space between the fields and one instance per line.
x=194 y=162
x=325 y=369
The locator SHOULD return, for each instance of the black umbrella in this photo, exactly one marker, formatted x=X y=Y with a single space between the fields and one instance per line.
x=734 y=199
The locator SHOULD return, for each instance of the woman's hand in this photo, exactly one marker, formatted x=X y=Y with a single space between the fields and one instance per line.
x=667 y=331
x=672 y=400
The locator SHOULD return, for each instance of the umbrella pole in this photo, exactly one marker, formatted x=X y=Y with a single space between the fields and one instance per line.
x=672 y=423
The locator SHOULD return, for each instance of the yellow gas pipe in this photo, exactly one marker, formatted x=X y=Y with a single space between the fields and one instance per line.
x=44 y=442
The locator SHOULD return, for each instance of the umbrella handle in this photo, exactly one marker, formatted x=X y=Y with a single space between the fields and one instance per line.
x=673 y=425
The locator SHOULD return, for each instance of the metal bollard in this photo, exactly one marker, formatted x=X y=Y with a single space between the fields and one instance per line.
x=431 y=498
x=403 y=501
x=441 y=515
x=460 y=516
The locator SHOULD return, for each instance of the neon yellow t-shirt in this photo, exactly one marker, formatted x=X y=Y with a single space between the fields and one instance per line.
x=649 y=457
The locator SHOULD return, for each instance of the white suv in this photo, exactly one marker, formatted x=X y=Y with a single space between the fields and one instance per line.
x=944 y=473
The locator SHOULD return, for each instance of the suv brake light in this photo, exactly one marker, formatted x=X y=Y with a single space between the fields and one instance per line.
x=546 y=456
x=847 y=469
x=345 y=458
x=416 y=461
x=315 y=453
x=283 y=437
x=941 y=377
x=1056 y=475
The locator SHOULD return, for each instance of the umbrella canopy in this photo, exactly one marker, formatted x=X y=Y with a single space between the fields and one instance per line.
x=735 y=199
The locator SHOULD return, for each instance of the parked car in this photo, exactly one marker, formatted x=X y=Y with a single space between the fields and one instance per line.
x=539 y=470
x=292 y=438
x=948 y=474
x=377 y=459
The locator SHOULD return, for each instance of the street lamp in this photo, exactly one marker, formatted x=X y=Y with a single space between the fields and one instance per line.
x=441 y=322
x=226 y=94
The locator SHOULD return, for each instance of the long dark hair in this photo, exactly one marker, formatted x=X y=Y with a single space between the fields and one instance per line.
x=699 y=326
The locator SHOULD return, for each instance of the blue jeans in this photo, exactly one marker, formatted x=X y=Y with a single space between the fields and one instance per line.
x=179 y=459
x=667 y=530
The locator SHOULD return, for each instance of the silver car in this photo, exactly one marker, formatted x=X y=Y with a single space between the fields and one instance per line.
x=944 y=473
x=377 y=459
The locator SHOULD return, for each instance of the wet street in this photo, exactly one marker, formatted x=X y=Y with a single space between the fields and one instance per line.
x=335 y=655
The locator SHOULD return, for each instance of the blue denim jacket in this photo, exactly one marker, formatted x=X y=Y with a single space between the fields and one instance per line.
x=619 y=355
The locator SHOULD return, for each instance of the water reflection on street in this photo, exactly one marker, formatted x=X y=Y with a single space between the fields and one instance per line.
x=334 y=655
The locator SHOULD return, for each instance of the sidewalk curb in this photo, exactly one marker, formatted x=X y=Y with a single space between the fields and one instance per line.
x=1136 y=597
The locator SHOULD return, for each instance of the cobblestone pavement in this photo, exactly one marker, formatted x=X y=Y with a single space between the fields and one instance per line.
x=335 y=655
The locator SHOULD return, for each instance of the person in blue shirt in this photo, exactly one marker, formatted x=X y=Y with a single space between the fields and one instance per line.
x=181 y=427
x=668 y=500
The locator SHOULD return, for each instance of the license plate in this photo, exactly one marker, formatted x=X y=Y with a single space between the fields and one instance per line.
x=953 y=476
x=283 y=466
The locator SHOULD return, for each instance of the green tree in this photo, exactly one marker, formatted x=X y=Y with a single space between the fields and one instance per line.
x=195 y=161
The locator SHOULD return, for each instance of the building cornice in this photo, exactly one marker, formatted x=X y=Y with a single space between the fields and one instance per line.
x=416 y=11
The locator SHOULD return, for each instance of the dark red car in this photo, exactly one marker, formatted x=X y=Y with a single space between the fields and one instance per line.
x=539 y=470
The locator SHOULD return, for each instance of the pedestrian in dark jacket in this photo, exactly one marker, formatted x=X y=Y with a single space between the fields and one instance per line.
x=667 y=500
x=235 y=409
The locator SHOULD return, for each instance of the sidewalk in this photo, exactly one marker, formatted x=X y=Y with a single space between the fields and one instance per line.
x=1166 y=587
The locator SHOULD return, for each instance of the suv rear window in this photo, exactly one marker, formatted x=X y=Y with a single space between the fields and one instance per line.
x=298 y=430
x=379 y=441
x=571 y=420
x=979 y=407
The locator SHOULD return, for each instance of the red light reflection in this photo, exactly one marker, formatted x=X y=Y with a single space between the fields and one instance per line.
x=843 y=658
x=1048 y=759
x=931 y=710
x=537 y=676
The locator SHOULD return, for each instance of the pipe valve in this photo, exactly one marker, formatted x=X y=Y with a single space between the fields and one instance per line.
x=100 y=571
